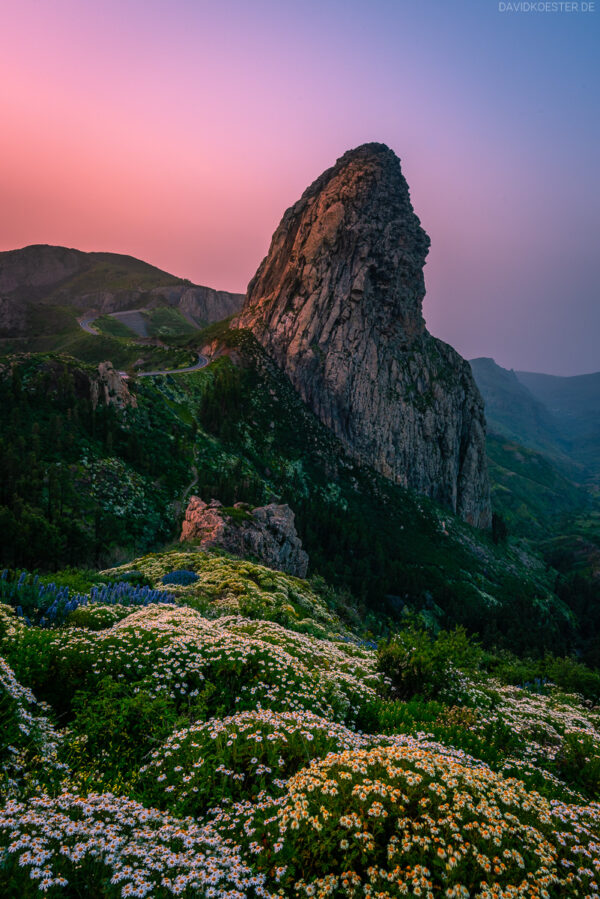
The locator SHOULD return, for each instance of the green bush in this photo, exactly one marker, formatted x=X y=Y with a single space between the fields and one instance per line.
x=578 y=763
x=418 y=664
x=113 y=728
x=415 y=820
x=97 y=617
x=235 y=758
x=536 y=674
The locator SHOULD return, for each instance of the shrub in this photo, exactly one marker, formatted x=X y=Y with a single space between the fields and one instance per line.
x=97 y=617
x=182 y=577
x=418 y=664
x=136 y=578
x=49 y=604
x=29 y=743
x=114 y=727
x=417 y=820
x=536 y=674
x=578 y=763
x=109 y=846
x=238 y=756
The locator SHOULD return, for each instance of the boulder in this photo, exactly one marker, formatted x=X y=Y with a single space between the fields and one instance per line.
x=267 y=533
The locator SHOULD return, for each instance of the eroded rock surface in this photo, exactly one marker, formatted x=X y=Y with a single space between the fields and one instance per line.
x=111 y=387
x=267 y=532
x=337 y=303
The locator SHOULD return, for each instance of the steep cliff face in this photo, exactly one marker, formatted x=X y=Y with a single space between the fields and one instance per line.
x=337 y=304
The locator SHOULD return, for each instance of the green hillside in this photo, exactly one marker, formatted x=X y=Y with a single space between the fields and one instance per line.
x=189 y=719
x=532 y=492
x=251 y=439
x=420 y=717
x=47 y=290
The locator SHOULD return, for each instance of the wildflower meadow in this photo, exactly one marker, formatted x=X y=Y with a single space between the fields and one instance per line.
x=196 y=725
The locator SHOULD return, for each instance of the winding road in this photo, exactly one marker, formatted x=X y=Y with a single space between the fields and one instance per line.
x=202 y=362
x=86 y=324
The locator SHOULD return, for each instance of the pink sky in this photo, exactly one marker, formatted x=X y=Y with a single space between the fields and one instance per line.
x=179 y=132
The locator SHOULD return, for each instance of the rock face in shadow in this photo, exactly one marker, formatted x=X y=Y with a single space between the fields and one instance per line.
x=337 y=303
x=267 y=532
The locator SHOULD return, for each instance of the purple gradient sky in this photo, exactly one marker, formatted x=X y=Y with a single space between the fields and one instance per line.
x=179 y=131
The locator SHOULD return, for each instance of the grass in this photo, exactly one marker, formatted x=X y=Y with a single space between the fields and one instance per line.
x=113 y=327
x=166 y=322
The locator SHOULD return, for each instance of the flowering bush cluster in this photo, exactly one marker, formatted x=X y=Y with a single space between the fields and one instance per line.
x=241 y=755
x=104 y=845
x=414 y=820
x=48 y=605
x=226 y=586
x=28 y=743
x=215 y=754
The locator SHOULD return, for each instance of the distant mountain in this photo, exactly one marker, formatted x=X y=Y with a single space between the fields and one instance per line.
x=574 y=404
x=559 y=417
x=574 y=398
x=44 y=289
x=513 y=411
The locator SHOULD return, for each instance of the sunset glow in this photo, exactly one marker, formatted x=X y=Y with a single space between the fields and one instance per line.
x=179 y=132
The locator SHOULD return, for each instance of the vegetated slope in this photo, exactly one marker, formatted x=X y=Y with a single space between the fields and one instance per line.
x=252 y=440
x=512 y=411
x=213 y=727
x=533 y=492
x=162 y=322
x=575 y=404
x=82 y=480
x=543 y=481
x=43 y=289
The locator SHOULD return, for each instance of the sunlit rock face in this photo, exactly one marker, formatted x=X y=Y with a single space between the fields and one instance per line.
x=337 y=303
x=267 y=533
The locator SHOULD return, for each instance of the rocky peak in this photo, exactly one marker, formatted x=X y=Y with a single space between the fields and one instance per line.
x=266 y=532
x=349 y=250
x=337 y=303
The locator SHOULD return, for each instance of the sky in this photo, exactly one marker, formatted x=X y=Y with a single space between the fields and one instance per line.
x=179 y=131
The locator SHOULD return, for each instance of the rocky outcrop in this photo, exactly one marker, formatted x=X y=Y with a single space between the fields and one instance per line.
x=111 y=387
x=337 y=303
x=205 y=305
x=200 y=305
x=268 y=533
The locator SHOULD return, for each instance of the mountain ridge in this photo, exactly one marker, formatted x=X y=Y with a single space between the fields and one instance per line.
x=65 y=281
x=548 y=413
